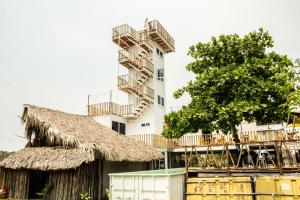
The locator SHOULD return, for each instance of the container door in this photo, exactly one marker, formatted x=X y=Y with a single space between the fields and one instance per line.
x=123 y=188
x=153 y=188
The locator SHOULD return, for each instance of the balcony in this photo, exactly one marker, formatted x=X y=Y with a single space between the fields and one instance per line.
x=108 y=108
x=125 y=36
x=130 y=85
x=161 y=36
x=129 y=59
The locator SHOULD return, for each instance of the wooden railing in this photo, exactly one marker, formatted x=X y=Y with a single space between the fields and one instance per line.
x=123 y=54
x=156 y=141
x=109 y=108
x=198 y=139
x=203 y=140
x=125 y=30
x=156 y=27
x=128 y=83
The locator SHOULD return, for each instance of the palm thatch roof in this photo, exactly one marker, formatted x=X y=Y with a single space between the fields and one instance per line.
x=47 y=127
x=46 y=158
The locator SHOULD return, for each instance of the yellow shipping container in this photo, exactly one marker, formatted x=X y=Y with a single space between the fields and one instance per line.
x=219 y=188
x=277 y=188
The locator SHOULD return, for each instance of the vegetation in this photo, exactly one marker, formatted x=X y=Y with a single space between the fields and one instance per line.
x=45 y=191
x=237 y=78
x=4 y=154
x=85 y=196
x=107 y=193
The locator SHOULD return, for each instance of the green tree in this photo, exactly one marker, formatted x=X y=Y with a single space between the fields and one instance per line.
x=237 y=78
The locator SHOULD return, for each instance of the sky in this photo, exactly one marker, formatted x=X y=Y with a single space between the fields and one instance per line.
x=53 y=53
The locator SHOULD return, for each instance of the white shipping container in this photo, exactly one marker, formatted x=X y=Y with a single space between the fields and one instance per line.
x=148 y=185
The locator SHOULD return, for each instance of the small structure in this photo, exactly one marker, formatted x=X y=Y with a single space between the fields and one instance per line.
x=68 y=155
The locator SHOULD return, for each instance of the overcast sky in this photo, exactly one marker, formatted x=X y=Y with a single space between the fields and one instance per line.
x=54 y=53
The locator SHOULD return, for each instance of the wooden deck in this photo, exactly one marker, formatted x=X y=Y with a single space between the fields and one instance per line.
x=161 y=36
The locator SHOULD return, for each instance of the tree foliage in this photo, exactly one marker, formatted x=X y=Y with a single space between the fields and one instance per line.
x=237 y=78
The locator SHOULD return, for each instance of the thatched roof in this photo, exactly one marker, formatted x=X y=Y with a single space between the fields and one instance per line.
x=56 y=128
x=46 y=158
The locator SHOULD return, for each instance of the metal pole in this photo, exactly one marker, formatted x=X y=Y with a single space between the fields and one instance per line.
x=185 y=162
x=88 y=107
x=166 y=159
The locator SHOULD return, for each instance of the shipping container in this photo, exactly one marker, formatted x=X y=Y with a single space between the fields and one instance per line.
x=277 y=187
x=219 y=188
x=166 y=184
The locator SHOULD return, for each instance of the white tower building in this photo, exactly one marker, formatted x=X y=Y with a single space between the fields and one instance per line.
x=142 y=53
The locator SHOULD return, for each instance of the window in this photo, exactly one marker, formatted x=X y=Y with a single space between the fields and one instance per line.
x=145 y=124
x=161 y=54
x=160 y=74
x=157 y=51
x=118 y=127
x=160 y=100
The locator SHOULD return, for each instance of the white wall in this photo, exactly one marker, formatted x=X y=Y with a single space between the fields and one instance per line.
x=154 y=114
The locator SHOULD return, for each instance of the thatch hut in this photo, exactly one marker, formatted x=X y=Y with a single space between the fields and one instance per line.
x=71 y=154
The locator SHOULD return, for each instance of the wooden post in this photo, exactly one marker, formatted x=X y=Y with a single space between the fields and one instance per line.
x=227 y=159
x=278 y=158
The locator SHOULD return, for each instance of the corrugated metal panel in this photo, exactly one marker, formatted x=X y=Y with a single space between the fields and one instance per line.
x=277 y=187
x=219 y=188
